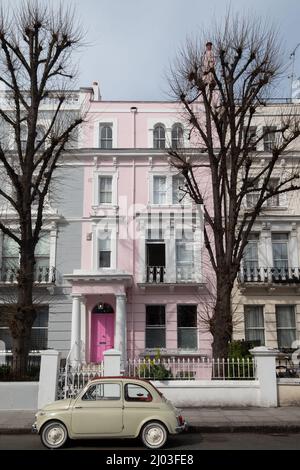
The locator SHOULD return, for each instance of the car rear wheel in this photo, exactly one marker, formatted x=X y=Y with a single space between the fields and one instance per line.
x=154 y=435
x=54 y=435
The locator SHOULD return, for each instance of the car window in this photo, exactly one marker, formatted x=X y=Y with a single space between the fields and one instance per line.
x=134 y=392
x=105 y=391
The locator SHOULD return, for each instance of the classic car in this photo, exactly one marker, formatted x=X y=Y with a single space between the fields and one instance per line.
x=107 y=408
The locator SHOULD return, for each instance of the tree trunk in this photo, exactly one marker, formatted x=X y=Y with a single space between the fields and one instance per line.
x=24 y=315
x=222 y=318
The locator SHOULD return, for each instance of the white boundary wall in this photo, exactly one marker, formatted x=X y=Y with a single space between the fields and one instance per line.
x=187 y=393
x=19 y=395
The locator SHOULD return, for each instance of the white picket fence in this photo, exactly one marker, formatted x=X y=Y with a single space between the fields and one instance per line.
x=72 y=379
x=202 y=368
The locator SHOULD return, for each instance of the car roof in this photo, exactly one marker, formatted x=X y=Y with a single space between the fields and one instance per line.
x=119 y=377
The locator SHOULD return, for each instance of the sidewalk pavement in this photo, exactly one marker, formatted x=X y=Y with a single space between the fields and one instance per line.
x=285 y=419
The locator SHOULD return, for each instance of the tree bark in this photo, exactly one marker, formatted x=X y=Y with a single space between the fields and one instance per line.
x=24 y=316
x=222 y=318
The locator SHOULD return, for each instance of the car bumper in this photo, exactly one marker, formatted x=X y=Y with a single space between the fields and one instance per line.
x=183 y=427
x=34 y=428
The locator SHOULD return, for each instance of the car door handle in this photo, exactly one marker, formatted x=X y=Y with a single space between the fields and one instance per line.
x=77 y=407
x=102 y=342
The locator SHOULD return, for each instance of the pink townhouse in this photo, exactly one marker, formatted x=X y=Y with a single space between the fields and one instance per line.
x=143 y=273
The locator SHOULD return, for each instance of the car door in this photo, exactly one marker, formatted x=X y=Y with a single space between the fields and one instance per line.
x=98 y=411
x=138 y=406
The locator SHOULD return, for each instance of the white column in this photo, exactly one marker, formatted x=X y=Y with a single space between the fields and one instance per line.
x=266 y=374
x=75 y=329
x=120 y=326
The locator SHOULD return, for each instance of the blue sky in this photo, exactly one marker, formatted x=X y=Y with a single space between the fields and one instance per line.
x=131 y=42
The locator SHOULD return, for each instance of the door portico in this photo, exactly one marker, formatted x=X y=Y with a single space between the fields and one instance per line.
x=108 y=328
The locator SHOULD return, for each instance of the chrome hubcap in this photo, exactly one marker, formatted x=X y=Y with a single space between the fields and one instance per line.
x=55 y=435
x=155 y=436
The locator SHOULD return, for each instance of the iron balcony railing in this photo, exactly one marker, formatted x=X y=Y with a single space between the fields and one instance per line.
x=42 y=275
x=284 y=275
x=155 y=274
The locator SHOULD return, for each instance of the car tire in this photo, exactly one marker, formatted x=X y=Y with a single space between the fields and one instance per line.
x=154 y=435
x=54 y=435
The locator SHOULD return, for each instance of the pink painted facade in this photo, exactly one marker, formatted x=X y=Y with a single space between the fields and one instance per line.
x=142 y=246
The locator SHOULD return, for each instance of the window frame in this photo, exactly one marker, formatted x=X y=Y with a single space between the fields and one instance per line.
x=155 y=326
x=251 y=261
x=192 y=329
x=248 y=329
x=283 y=328
x=268 y=142
x=169 y=176
x=284 y=241
x=157 y=141
x=106 y=139
x=102 y=398
x=179 y=140
x=102 y=203
x=34 y=328
x=184 y=264
x=113 y=173
x=99 y=239
x=251 y=135
x=129 y=399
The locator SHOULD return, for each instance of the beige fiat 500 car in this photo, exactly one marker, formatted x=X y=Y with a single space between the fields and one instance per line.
x=107 y=408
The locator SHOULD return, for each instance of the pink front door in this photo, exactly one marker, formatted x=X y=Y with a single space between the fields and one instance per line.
x=102 y=337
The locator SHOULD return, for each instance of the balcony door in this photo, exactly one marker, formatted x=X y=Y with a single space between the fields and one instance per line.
x=156 y=261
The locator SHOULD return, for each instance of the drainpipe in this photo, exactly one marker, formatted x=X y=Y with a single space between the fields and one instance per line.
x=133 y=109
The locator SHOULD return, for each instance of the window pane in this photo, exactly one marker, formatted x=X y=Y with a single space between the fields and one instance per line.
x=159 y=137
x=136 y=392
x=269 y=138
x=186 y=316
x=250 y=136
x=105 y=189
x=39 y=339
x=178 y=184
x=10 y=247
x=104 y=244
x=42 y=317
x=104 y=259
x=155 y=315
x=255 y=335
x=184 y=252
x=254 y=316
x=285 y=316
x=39 y=332
x=43 y=245
x=106 y=136
x=6 y=338
x=155 y=337
x=159 y=189
x=285 y=338
x=187 y=338
x=105 y=183
x=177 y=136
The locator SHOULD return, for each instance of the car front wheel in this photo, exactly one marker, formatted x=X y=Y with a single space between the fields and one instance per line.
x=154 y=435
x=54 y=435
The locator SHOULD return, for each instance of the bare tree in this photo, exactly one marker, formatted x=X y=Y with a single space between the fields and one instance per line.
x=37 y=43
x=222 y=84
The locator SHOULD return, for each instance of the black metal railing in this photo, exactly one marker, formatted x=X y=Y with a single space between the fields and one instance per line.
x=155 y=274
x=29 y=371
x=42 y=275
x=269 y=275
